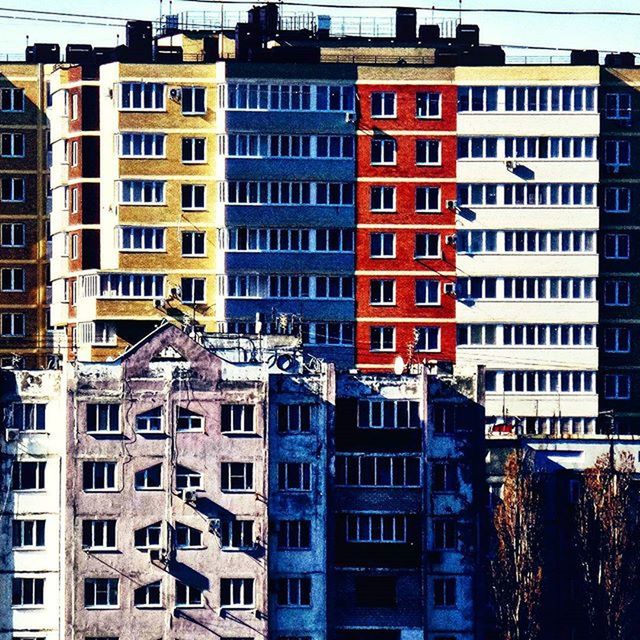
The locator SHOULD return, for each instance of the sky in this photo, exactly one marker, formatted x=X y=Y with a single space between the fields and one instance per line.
x=593 y=32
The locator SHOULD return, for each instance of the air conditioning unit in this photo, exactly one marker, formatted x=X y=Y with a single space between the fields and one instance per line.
x=175 y=94
x=214 y=525
x=511 y=165
x=349 y=117
x=452 y=205
x=189 y=496
x=158 y=303
x=160 y=556
x=450 y=288
x=450 y=239
x=11 y=434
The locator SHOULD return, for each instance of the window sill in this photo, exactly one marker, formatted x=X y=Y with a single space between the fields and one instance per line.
x=438 y=117
x=143 y=251
x=28 y=606
x=190 y=606
x=385 y=117
x=194 y=161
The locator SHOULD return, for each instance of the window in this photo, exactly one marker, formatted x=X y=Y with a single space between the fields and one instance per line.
x=377 y=471
x=149 y=192
x=444 y=592
x=74 y=153
x=383 y=245
x=294 y=534
x=617 y=153
x=101 y=593
x=477 y=99
x=12 y=145
x=189 y=420
x=28 y=476
x=382 y=338
x=293 y=592
x=444 y=474
x=333 y=333
x=287 y=97
x=383 y=150
x=388 y=414
x=103 y=418
x=12 y=99
x=444 y=419
x=333 y=193
x=142 y=145
x=193 y=197
x=150 y=421
x=12 y=234
x=617 y=293
x=567 y=99
x=481 y=241
x=617 y=199
x=294 y=418
x=427 y=245
x=376 y=528
x=383 y=104
x=427 y=339
x=149 y=478
x=194 y=150
x=479 y=147
x=294 y=476
x=99 y=476
x=427 y=292
x=28 y=534
x=148 y=537
x=540 y=241
x=445 y=534
x=428 y=105
x=237 y=534
x=129 y=285
x=617 y=386
x=188 y=595
x=99 y=535
x=541 y=381
x=617 y=106
x=477 y=288
x=27 y=592
x=193 y=290
x=188 y=537
x=478 y=194
x=428 y=152
x=193 y=243
x=617 y=340
x=616 y=246
x=13 y=279
x=142 y=96
x=187 y=479
x=237 y=476
x=142 y=239
x=148 y=596
x=13 y=325
x=238 y=418
x=334 y=147
x=194 y=100
x=382 y=292
x=428 y=199
x=236 y=592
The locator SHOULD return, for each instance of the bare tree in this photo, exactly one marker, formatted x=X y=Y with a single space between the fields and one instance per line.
x=516 y=563
x=607 y=548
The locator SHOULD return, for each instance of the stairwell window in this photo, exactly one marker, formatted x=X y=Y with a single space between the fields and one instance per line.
x=445 y=535
x=148 y=537
x=187 y=420
x=188 y=596
x=383 y=104
x=194 y=100
x=149 y=478
x=428 y=104
x=444 y=475
x=148 y=596
x=188 y=479
x=188 y=537
x=150 y=421
x=101 y=593
x=142 y=96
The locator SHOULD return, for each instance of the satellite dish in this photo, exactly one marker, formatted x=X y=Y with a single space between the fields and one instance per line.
x=398 y=365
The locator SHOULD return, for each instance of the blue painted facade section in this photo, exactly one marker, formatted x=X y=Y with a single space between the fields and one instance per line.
x=290 y=263
x=316 y=169
x=303 y=216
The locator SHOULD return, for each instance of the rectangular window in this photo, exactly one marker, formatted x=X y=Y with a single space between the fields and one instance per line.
x=101 y=593
x=617 y=293
x=427 y=292
x=103 y=418
x=445 y=535
x=13 y=325
x=444 y=419
x=388 y=414
x=12 y=234
x=294 y=592
x=617 y=199
x=149 y=478
x=383 y=199
x=444 y=592
x=142 y=192
x=193 y=290
x=477 y=99
x=28 y=416
x=99 y=476
x=616 y=246
x=617 y=340
x=383 y=338
x=383 y=104
x=444 y=474
x=617 y=386
x=150 y=421
x=27 y=592
x=148 y=596
x=11 y=99
x=617 y=154
x=187 y=479
x=116 y=285
x=12 y=189
x=28 y=534
x=189 y=420
x=188 y=596
x=237 y=418
x=237 y=476
x=142 y=239
x=427 y=339
x=237 y=534
x=617 y=106
x=28 y=476
x=377 y=471
x=188 y=537
x=142 y=96
x=148 y=537
x=236 y=592
x=294 y=534
x=142 y=145
x=428 y=152
x=383 y=245
x=428 y=104
x=376 y=528
x=194 y=150
x=12 y=145
x=382 y=292
x=194 y=100
x=99 y=535
x=193 y=244
x=427 y=245
x=294 y=418
x=194 y=197
x=294 y=476
x=383 y=150
x=479 y=147
x=428 y=199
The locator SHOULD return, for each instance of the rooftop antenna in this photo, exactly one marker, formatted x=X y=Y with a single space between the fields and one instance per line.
x=460 y=12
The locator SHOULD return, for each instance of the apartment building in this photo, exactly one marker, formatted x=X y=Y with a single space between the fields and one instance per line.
x=133 y=186
x=24 y=251
x=527 y=222
x=33 y=465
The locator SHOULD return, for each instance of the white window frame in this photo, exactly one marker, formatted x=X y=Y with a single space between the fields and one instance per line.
x=138 y=97
x=192 y=239
x=142 y=478
x=382 y=292
x=428 y=206
x=12 y=234
x=428 y=288
x=240 y=592
x=379 y=199
x=295 y=476
x=379 y=338
x=425 y=148
x=187 y=479
x=102 y=587
x=382 y=237
x=367 y=528
x=230 y=473
x=151 y=145
x=40 y=476
x=193 y=197
x=191 y=155
x=152 y=193
x=238 y=418
x=384 y=151
x=426 y=333
x=107 y=416
x=425 y=105
x=380 y=103
x=149 y=239
x=198 y=293
x=294 y=591
x=29 y=594
x=188 y=421
x=26 y=533
x=193 y=596
x=192 y=538
x=100 y=530
x=99 y=467
x=195 y=91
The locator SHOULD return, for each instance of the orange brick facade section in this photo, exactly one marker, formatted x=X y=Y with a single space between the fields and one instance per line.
x=405 y=269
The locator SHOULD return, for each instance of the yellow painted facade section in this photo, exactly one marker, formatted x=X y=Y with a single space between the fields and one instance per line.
x=526 y=74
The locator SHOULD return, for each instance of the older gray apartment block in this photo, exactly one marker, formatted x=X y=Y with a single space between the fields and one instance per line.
x=235 y=487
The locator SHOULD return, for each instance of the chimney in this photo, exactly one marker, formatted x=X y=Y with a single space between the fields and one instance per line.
x=406 y=24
